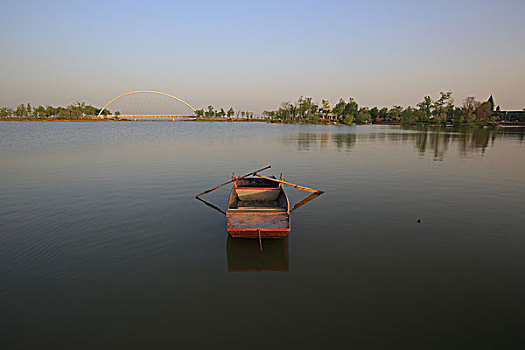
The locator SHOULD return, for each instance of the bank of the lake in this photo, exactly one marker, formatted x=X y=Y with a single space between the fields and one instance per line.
x=272 y=121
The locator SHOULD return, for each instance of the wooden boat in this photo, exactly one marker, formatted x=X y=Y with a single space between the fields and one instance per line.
x=258 y=208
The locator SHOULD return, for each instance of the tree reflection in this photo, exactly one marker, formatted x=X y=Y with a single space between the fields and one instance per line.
x=304 y=141
x=346 y=141
x=421 y=142
x=436 y=140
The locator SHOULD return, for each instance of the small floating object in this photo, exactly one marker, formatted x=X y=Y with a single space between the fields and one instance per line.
x=258 y=206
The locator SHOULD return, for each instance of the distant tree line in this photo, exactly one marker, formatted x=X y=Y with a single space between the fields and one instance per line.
x=210 y=112
x=78 y=110
x=441 y=111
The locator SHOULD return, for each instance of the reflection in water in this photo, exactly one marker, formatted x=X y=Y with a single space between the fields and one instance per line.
x=306 y=200
x=435 y=140
x=341 y=140
x=95 y=216
x=345 y=141
x=211 y=205
x=244 y=254
x=304 y=140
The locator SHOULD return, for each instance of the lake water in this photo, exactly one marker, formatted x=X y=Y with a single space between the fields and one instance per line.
x=102 y=244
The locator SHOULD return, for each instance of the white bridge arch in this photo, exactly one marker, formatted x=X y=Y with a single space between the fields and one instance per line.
x=143 y=92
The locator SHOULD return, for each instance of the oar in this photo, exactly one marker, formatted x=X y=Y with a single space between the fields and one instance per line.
x=240 y=177
x=306 y=200
x=299 y=187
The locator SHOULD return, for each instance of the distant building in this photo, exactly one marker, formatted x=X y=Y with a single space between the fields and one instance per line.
x=491 y=101
x=508 y=116
x=327 y=111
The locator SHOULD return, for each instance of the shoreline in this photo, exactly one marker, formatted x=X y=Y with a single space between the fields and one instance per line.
x=269 y=121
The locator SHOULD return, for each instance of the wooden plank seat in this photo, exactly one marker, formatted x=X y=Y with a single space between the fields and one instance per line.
x=258 y=206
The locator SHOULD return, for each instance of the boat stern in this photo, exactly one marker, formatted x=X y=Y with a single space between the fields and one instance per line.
x=255 y=225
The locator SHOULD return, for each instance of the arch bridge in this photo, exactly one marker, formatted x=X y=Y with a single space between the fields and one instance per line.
x=101 y=116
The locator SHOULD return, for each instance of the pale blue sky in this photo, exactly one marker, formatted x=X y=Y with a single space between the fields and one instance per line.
x=254 y=55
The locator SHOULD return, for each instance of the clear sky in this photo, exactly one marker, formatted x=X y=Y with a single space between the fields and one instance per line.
x=255 y=54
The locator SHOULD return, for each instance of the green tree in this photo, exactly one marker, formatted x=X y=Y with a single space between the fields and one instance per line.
x=302 y=106
x=441 y=119
x=374 y=113
x=409 y=116
x=270 y=114
x=383 y=113
x=104 y=112
x=287 y=110
x=351 y=108
x=292 y=111
x=306 y=108
x=483 y=112
x=339 y=108
x=39 y=112
x=363 y=116
x=21 y=111
x=63 y=113
x=230 y=112
x=90 y=111
x=75 y=111
x=426 y=107
x=51 y=111
x=395 y=112
x=348 y=119
x=441 y=104
x=470 y=104
x=199 y=113
x=210 y=113
x=5 y=112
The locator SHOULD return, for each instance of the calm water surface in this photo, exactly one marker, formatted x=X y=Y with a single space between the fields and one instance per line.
x=102 y=244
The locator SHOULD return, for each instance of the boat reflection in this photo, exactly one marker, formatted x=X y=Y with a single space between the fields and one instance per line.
x=245 y=255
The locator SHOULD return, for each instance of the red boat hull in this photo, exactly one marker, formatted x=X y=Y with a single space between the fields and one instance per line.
x=258 y=208
x=255 y=233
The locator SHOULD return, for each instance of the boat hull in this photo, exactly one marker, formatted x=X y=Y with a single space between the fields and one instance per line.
x=256 y=233
x=258 y=208
x=255 y=224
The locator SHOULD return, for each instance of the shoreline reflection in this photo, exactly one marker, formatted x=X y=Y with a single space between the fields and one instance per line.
x=424 y=139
